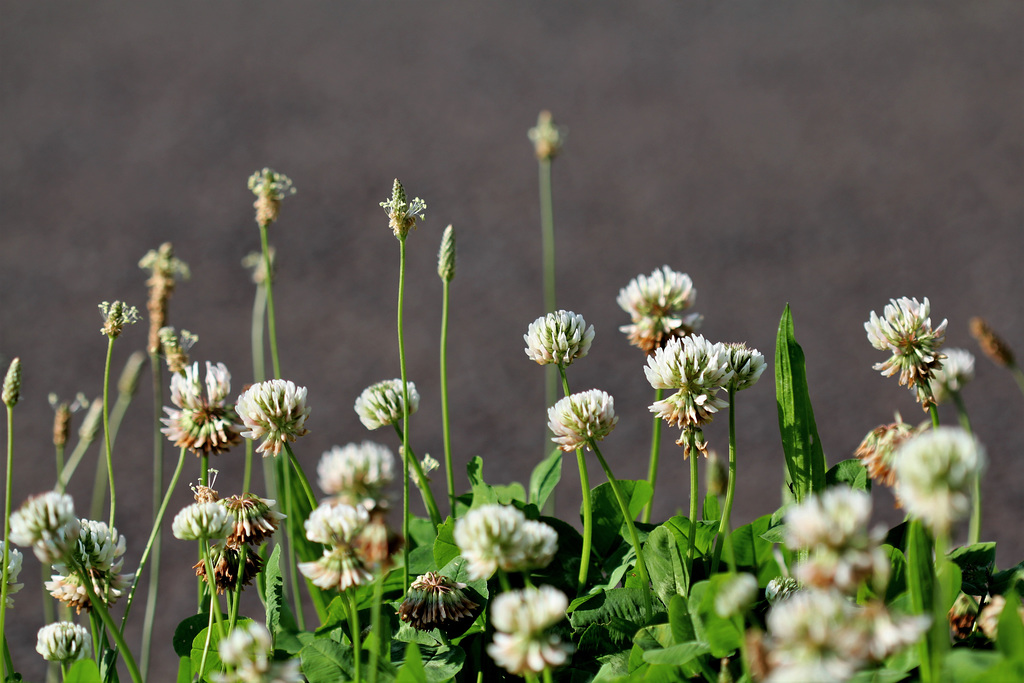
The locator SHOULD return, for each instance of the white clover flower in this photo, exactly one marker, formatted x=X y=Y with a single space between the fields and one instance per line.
x=747 y=366
x=906 y=331
x=560 y=337
x=63 y=642
x=956 y=371
x=522 y=642
x=46 y=522
x=781 y=588
x=699 y=370
x=381 y=404
x=247 y=651
x=655 y=304
x=100 y=552
x=14 y=559
x=934 y=474
x=203 y=521
x=736 y=596
x=274 y=411
x=356 y=474
x=253 y=519
x=577 y=418
x=336 y=523
x=204 y=421
x=887 y=633
x=811 y=634
x=493 y=537
x=339 y=568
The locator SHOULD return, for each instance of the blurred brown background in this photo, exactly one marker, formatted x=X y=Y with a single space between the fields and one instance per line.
x=832 y=156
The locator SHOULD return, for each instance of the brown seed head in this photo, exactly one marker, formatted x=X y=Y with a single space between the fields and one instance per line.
x=993 y=346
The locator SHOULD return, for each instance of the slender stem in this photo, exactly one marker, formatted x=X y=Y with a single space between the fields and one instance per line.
x=405 y=415
x=645 y=577
x=237 y=597
x=730 y=490
x=259 y=308
x=284 y=475
x=206 y=645
x=100 y=610
x=212 y=583
x=375 y=651
x=303 y=481
x=974 y=533
x=106 y=427
x=293 y=463
x=547 y=676
x=1018 y=375
x=691 y=542
x=446 y=425
x=268 y=285
x=503 y=580
x=356 y=643
x=943 y=588
x=425 y=491
x=588 y=510
x=547 y=228
x=7 y=530
x=156 y=371
x=652 y=469
x=933 y=411
x=72 y=463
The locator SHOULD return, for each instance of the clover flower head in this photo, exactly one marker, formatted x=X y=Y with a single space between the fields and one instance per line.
x=253 y=519
x=879 y=448
x=560 y=337
x=46 y=522
x=339 y=568
x=523 y=642
x=228 y=570
x=116 y=315
x=579 y=418
x=781 y=588
x=63 y=642
x=698 y=370
x=493 y=537
x=403 y=214
x=100 y=551
x=247 y=652
x=655 y=304
x=547 y=138
x=270 y=187
x=14 y=559
x=336 y=523
x=736 y=595
x=377 y=542
x=203 y=521
x=934 y=474
x=811 y=635
x=274 y=411
x=435 y=601
x=541 y=543
x=203 y=421
x=905 y=330
x=382 y=404
x=956 y=371
x=356 y=474
x=747 y=366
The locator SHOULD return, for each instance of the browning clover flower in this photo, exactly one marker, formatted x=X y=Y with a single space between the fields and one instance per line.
x=253 y=519
x=560 y=337
x=14 y=559
x=270 y=187
x=436 y=601
x=655 y=304
x=402 y=214
x=956 y=371
x=46 y=522
x=523 y=642
x=225 y=559
x=906 y=331
x=247 y=652
x=493 y=537
x=878 y=449
x=274 y=411
x=356 y=474
x=579 y=418
x=934 y=474
x=63 y=642
x=100 y=552
x=204 y=421
x=380 y=405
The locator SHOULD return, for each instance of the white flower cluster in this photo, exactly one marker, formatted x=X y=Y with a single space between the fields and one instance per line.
x=356 y=474
x=382 y=404
x=523 y=642
x=246 y=652
x=337 y=526
x=747 y=366
x=905 y=330
x=577 y=418
x=957 y=370
x=493 y=537
x=204 y=421
x=202 y=521
x=46 y=522
x=100 y=551
x=655 y=304
x=274 y=411
x=560 y=337
x=63 y=642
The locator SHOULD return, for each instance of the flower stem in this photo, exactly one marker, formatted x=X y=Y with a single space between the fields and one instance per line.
x=933 y=411
x=445 y=423
x=269 y=288
x=652 y=469
x=645 y=577
x=730 y=490
x=212 y=582
x=939 y=633
x=233 y=618
x=7 y=530
x=303 y=481
x=547 y=229
x=405 y=415
x=375 y=651
x=356 y=644
x=692 y=540
x=156 y=372
x=284 y=475
x=425 y=491
x=100 y=609
x=106 y=428
x=588 y=510
x=974 y=533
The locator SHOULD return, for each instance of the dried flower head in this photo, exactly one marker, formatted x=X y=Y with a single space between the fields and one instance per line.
x=736 y=596
x=202 y=521
x=934 y=474
x=63 y=642
x=270 y=187
x=578 y=419
x=560 y=337
x=247 y=653
x=356 y=474
x=905 y=330
x=499 y=536
x=274 y=411
x=100 y=552
x=547 y=138
x=988 y=620
x=523 y=640
x=378 y=542
x=12 y=384
x=46 y=522
x=175 y=348
x=992 y=344
x=747 y=366
x=225 y=559
x=956 y=371
x=204 y=421
x=962 y=616
x=14 y=559
x=116 y=315
x=254 y=520
x=878 y=449
x=402 y=214
x=163 y=266
x=655 y=304
x=61 y=420
x=382 y=405
x=446 y=255
x=436 y=601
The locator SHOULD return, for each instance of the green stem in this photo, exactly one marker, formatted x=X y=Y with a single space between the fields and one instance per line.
x=356 y=643
x=100 y=609
x=547 y=229
x=425 y=491
x=645 y=577
x=8 y=490
x=206 y=646
x=106 y=428
x=294 y=529
x=375 y=651
x=303 y=481
x=939 y=633
x=314 y=593
x=974 y=533
x=1018 y=375
x=652 y=469
x=156 y=371
x=268 y=286
x=730 y=490
x=503 y=580
x=445 y=424
x=691 y=542
x=933 y=411
x=237 y=597
x=212 y=583
x=72 y=463
x=588 y=510
x=405 y=416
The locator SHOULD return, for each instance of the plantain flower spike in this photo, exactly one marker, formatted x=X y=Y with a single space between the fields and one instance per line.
x=270 y=187
x=12 y=384
x=163 y=267
x=403 y=214
x=446 y=255
x=116 y=315
x=547 y=138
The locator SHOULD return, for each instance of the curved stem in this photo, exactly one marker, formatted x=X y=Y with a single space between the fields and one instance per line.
x=106 y=427
x=588 y=510
x=268 y=286
x=730 y=491
x=445 y=423
x=652 y=469
x=425 y=491
x=100 y=609
x=405 y=415
x=303 y=481
x=645 y=577
x=7 y=531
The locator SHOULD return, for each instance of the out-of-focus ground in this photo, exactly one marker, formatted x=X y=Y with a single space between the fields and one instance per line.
x=832 y=156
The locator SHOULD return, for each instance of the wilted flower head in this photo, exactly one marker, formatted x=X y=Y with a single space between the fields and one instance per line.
x=116 y=315
x=204 y=421
x=202 y=521
x=381 y=404
x=436 y=601
x=906 y=331
x=377 y=542
x=956 y=371
x=100 y=551
x=356 y=474
x=270 y=187
x=934 y=474
x=560 y=337
x=247 y=653
x=736 y=595
x=252 y=517
x=46 y=522
x=655 y=304
x=747 y=366
x=578 y=418
x=879 y=448
x=402 y=214
x=547 y=138
x=225 y=559
x=14 y=559
x=274 y=411
x=523 y=642
x=499 y=536
x=63 y=642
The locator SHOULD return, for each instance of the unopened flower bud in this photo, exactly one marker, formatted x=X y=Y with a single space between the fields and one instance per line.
x=12 y=384
x=446 y=255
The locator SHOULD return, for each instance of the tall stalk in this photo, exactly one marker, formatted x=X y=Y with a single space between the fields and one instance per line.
x=156 y=371
x=445 y=422
x=691 y=542
x=730 y=490
x=974 y=533
x=652 y=468
x=405 y=414
x=588 y=511
x=425 y=491
x=7 y=525
x=547 y=228
x=108 y=448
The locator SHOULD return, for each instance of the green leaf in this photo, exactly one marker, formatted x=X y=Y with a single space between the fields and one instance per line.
x=545 y=477
x=965 y=666
x=805 y=460
x=186 y=632
x=898 y=574
x=851 y=473
x=1010 y=640
x=279 y=615
x=411 y=670
x=976 y=563
x=676 y=655
x=679 y=620
x=720 y=634
x=661 y=553
x=711 y=511
x=483 y=494
x=213 y=662
x=438 y=663
x=325 y=661
x=508 y=494
x=185 y=670
x=422 y=532
x=609 y=525
x=445 y=548
x=621 y=610
x=753 y=553
x=83 y=671
x=920 y=581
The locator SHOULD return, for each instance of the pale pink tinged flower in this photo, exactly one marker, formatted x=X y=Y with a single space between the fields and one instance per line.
x=558 y=338
x=878 y=449
x=905 y=330
x=204 y=421
x=382 y=404
x=578 y=418
x=339 y=568
x=655 y=304
x=699 y=370
x=493 y=537
x=274 y=411
x=100 y=552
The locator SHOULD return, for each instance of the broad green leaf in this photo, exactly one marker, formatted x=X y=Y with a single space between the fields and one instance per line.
x=850 y=473
x=325 y=661
x=898 y=573
x=609 y=525
x=753 y=553
x=971 y=666
x=976 y=563
x=439 y=663
x=411 y=670
x=213 y=662
x=445 y=548
x=679 y=620
x=720 y=634
x=421 y=560
x=186 y=632
x=422 y=531
x=711 y=512
x=1010 y=640
x=621 y=610
x=509 y=494
x=84 y=671
x=920 y=580
x=483 y=493
x=1003 y=581
x=545 y=477
x=659 y=552
x=676 y=655
x=614 y=667
x=805 y=460
x=879 y=676
x=279 y=615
